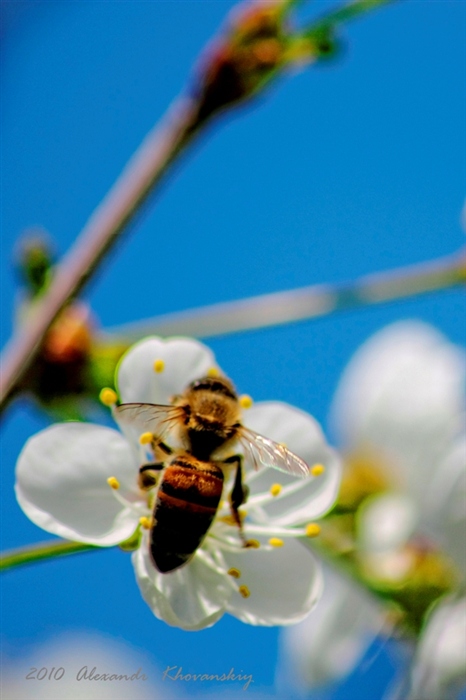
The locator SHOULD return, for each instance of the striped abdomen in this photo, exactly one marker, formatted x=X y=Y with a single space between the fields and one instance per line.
x=187 y=500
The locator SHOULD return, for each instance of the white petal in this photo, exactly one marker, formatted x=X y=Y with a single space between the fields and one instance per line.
x=329 y=643
x=446 y=507
x=284 y=584
x=192 y=597
x=303 y=436
x=184 y=361
x=440 y=666
x=386 y=522
x=61 y=483
x=402 y=394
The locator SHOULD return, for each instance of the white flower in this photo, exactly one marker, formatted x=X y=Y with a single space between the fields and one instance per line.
x=62 y=486
x=400 y=407
x=440 y=664
x=402 y=402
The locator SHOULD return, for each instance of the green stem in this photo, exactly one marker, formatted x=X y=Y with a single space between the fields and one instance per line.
x=346 y=13
x=42 y=552
x=302 y=304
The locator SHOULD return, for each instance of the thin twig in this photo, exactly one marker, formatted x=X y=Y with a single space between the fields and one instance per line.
x=143 y=171
x=299 y=304
x=150 y=162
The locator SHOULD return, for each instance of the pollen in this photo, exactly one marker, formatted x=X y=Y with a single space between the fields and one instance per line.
x=244 y=591
x=317 y=469
x=108 y=397
x=144 y=522
x=276 y=542
x=213 y=372
x=113 y=483
x=254 y=544
x=236 y=573
x=146 y=438
x=312 y=530
x=275 y=489
x=159 y=366
x=245 y=401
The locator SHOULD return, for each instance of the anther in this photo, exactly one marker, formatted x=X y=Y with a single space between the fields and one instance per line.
x=254 y=544
x=244 y=591
x=212 y=372
x=317 y=469
x=312 y=530
x=108 y=397
x=236 y=573
x=144 y=522
x=276 y=542
x=275 y=489
x=146 y=438
x=245 y=401
x=113 y=483
x=159 y=366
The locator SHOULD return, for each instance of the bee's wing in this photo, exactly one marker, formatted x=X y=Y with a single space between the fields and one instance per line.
x=149 y=417
x=268 y=453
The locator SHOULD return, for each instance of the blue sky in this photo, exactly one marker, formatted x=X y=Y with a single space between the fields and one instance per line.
x=341 y=170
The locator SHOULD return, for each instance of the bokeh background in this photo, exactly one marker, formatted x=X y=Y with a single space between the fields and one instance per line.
x=352 y=167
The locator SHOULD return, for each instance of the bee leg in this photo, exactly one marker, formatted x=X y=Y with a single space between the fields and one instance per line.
x=238 y=495
x=158 y=444
x=146 y=479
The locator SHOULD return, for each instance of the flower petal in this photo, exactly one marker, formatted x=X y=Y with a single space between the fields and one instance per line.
x=310 y=497
x=402 y=394
x=183 y=360
x=386 y=522
x=61 y=483
x=284 y=584
x=329 y=643
x=446 y=506
x=192 y=597
x=440 y=665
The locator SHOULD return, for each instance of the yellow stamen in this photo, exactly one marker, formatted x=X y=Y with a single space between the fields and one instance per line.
x=317 y=469
x=312 y=530
x=146 y=438
x=113 y=483
x=231 y=520
x=255 y=544
x=236 y=573
x=144 y=522
x=283 y=444
x=244 y=591
x=212 y=372
x=276 y=542
x=159 y=366
x=275 y=489
x=108 y=397
x=245 y=401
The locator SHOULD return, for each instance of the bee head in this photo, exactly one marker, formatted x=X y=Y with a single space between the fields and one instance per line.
x=212 y=413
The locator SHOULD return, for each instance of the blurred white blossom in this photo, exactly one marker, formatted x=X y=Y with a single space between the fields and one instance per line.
x=399 y=414
x=70 y=658
x=440 y=664
x=330 y=642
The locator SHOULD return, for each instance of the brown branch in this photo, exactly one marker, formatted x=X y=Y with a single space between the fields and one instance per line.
x=144 y=170
x=302 y=304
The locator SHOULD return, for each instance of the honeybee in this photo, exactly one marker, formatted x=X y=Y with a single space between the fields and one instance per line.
x=206 y=422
